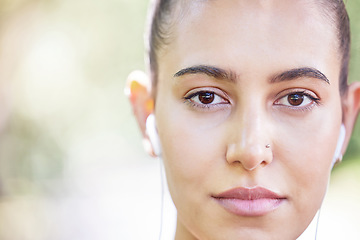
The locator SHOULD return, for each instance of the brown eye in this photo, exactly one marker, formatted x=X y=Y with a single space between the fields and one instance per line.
x=298 y=100
x=295 y=99
x=207 y=100
x=206 y=97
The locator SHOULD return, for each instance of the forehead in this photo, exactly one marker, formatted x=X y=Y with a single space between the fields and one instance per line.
x=266 y=12
x=214 y=31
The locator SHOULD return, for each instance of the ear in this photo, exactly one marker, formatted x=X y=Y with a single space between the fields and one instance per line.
x=138 y=90
x=351 y=107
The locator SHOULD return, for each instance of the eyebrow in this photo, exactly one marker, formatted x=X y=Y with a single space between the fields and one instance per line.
x=210 y=71
x=296 y=73
x=218 y=73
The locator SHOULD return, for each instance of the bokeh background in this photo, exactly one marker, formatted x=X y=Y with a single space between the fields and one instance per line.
x=72 y=164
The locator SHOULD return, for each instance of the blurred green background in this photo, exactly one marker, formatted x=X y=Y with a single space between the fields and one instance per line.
x=71 y=159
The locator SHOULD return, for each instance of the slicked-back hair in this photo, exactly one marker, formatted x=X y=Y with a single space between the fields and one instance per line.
x=158 y=33
x=163 y=18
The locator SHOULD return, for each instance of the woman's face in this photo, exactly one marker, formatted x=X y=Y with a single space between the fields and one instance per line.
x=237 y=76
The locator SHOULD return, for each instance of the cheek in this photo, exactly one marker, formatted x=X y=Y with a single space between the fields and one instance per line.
x=191 y=144
x=189 y=152
x=192 y=150
x=305 y=153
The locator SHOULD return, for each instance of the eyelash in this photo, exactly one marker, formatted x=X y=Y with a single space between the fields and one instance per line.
x=207 y=107
x=315 y=101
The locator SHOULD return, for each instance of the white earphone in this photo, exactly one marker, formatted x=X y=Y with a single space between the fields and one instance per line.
x=153 y=135
x=339 y=145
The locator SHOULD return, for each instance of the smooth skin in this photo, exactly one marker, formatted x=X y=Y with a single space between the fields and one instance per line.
x=226 y=90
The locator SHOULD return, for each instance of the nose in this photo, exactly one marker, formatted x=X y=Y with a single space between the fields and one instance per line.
x=249 y=142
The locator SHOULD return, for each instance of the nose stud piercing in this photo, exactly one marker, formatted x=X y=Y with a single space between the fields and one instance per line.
x=267 y=146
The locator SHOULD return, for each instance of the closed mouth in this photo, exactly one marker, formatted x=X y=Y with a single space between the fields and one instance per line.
x=254 y=202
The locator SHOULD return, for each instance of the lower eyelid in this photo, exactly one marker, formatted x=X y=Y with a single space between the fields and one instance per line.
x=206 y=107
x=295 y=110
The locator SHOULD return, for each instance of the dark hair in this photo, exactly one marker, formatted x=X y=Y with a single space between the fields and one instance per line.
x=342 y=23
x=159 y=33
x=162 y=17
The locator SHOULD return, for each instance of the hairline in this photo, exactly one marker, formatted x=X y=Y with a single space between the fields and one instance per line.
x=159 y=40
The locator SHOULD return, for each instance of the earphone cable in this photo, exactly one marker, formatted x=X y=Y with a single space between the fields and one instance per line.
x=162 y=198
x=317 y=223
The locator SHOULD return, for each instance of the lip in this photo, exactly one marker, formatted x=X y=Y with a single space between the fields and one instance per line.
x=249 y=202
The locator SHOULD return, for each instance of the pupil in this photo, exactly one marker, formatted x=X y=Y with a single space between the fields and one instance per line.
x=206 y=97
x=295 y=99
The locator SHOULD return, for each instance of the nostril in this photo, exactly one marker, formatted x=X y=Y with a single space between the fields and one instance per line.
x=250 y=156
